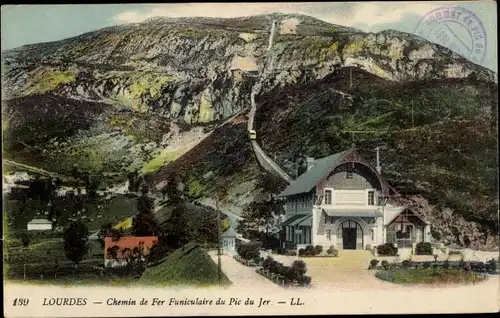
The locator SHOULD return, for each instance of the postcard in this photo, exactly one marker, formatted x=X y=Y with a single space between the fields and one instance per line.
x=198 y=159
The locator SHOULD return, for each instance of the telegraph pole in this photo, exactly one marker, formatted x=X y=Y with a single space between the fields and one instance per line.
x=350 y=77
x=412 y=116
x=218 y=238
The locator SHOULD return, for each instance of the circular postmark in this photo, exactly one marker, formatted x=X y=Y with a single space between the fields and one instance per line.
x=456 y=28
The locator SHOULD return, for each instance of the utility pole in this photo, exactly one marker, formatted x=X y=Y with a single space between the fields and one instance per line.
x=350 y=77
x=218 y=238
x=412 y=116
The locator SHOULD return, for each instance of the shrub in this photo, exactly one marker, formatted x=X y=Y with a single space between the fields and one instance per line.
x=332 y=251
x=385 y=264
x=291 y=253
x=297 y=270
x=446 y=265
x=481 y=267
x=373 y=264
x=306 y=280
x=266 y=264
x=492 y=265
x=423 y=248
x=302 y=252
x=249 y=251
x=368 y=247
x=387 y=249
x=466 y=266
x=309 y=250
x=318 y=249
x=406 y=263
x=274 y=266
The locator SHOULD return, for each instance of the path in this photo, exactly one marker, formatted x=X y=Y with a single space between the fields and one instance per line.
x=244 y=277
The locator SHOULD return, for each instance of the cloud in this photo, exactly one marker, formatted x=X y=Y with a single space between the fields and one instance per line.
x=347 y=14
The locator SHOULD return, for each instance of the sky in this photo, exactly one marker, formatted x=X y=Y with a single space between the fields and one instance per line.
x=26 y=24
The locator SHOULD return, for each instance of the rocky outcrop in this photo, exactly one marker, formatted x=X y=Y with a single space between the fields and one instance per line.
x=168 y=66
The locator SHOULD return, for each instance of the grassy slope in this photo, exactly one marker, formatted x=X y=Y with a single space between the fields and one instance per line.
x=189 y=265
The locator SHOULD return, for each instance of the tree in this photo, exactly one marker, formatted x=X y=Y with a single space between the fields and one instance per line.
x=261 y=217
x=113 y=251
x=104 y=231
x=25 y=239
x=76 y=241
x=176 y=229
x=144 y=224
x=145 y=204
x=172 y=187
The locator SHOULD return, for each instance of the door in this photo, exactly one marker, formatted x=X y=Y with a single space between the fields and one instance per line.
x=349 y=238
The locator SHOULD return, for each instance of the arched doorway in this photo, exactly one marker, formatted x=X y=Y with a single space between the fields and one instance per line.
x=350 y=235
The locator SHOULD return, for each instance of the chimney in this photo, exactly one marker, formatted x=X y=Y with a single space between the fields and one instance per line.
x=310 y=162
x=379 y=169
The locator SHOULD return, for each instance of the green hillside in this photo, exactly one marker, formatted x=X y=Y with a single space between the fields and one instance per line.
x=189 y=265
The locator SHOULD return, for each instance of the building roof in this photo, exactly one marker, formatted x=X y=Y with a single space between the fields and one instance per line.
x=229 y=233
x=39 y=221
x=353 y=212
x=307 y=181
x=300 y=220
x=129 y=242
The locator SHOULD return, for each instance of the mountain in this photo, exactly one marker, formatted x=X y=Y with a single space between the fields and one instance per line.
x=153 y=96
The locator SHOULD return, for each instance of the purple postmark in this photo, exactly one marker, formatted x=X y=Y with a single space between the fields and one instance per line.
x=456 y=28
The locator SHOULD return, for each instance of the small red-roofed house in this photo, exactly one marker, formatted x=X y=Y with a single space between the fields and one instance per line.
x=116 y=252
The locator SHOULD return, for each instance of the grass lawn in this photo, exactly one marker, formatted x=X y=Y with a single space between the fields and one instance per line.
x=47 y=250
x=429 y=276
x=189 y=265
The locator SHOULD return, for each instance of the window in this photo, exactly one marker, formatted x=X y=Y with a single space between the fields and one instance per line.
x=349 y=170
x=371 y=198
x=328 y=196
x=329 y=235
x=372 y=234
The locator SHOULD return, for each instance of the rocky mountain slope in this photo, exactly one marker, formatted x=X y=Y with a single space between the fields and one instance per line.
x=139 y=96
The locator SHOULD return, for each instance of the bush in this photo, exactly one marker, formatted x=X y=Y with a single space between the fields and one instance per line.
x=297 y=271
x=274 y=266
x=332 y=251
x=423 y=248
x=266 y=264
x=306 y=280
x=249 y=251
x=368 y=247
x=406 y=263
x=309 y=250
x=492 y=265
x=466 y=266
x=385 y=264
x=302 y=252
x=291 y=253
x=373 y=264
x=318 y=249
x=446 y=264
x=481 y=267
x=387 y=249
